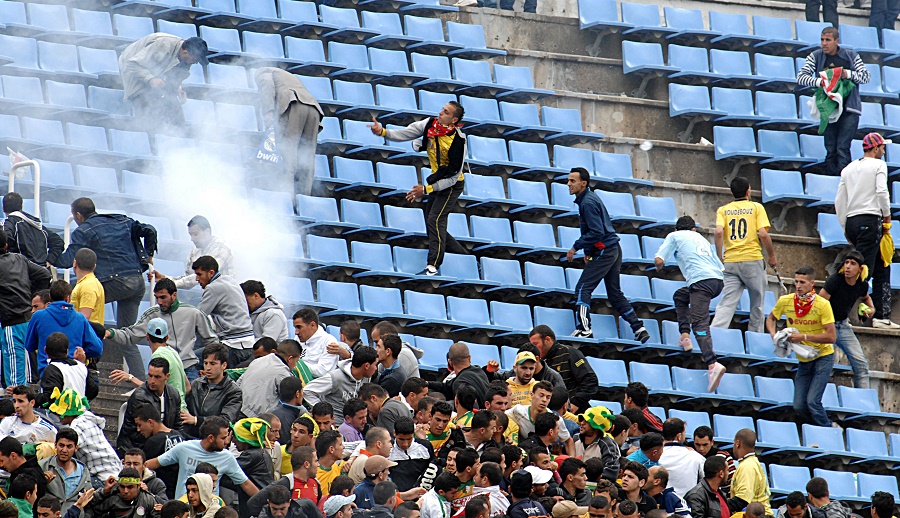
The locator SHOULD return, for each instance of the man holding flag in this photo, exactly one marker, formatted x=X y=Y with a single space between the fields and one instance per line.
x=835 y=73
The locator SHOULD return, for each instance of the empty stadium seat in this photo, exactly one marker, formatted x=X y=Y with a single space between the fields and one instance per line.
x=830 y=231
x=567 y=122
x=645 y=21
x=471 y=37
x=734 y=30
x=777 y=33
x=737 y=103
x=733 y=67
x=688 y=23
x=646 y=61
x=691 y=102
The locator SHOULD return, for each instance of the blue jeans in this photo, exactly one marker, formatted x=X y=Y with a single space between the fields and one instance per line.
x=838 y=136
x=847 y=342
x=883 y=15
x=530 y=5
x=127 y=291
x=809 y=387
x=192 y=373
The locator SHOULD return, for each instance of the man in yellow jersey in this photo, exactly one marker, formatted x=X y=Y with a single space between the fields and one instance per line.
x=522 y=384
x=87 y=296
x=438 y=431
x=330 y=450
x=812 y=318
x=749 y=482
x=446 y=146
x=741 y=227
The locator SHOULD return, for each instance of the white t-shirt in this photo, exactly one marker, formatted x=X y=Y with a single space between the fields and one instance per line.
x=685 y=466
x=39 y=431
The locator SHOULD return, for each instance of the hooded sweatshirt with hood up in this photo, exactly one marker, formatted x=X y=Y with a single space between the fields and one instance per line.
x=61 y=317
x=334 y=387
x=205 y=487
x=269 y=320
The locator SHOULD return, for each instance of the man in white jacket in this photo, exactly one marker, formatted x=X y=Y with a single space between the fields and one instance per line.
x=863 y=207
x=684 y=464
x=315 y=342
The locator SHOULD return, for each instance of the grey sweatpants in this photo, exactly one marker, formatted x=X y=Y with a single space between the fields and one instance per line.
x=750 y=275
x=298 y=132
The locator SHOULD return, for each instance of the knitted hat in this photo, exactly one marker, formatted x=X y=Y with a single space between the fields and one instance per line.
x=252 y=431
x=873 y=140
x=68 y=403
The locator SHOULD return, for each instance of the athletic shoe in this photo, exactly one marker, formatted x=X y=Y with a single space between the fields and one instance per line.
x=466 y=3
x=429 y=271
x=685 y=343
x=884 y=323
x=641 y=335
x=582 y=333
x=716 y=371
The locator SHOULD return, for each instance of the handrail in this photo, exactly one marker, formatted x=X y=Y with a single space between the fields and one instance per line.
x=67 y=238
x=37 y=183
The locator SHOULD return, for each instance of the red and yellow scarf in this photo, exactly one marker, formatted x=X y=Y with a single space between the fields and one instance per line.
x=803 y=303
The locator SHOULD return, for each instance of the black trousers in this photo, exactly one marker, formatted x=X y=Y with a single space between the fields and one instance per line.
x=864 y=233
x=438 y=207
x=829 y=11
x=692 y=312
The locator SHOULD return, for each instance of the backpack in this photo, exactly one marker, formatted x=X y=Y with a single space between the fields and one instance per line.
x=32 y=242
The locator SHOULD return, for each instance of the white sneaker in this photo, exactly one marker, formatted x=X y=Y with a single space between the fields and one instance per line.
x=582 y=333
x=716 y=371
x=466 y=3
x=685 y=343
x=884 y=323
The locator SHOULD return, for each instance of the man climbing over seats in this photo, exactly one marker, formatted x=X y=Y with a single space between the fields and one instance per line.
x=153 y=69
x=742 y=231
x=446 y=146
x=863 y=208
x=818 y=72
x=289 y=109
x=205 y=243
x=809 y=334
x=843 y=289
x=703 y=273
x=602 y=259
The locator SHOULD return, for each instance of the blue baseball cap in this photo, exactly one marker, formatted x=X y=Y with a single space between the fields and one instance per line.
x=158 y=328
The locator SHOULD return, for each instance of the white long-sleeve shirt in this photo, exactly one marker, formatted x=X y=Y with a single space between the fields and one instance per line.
x=315 y=353
x=863 y=190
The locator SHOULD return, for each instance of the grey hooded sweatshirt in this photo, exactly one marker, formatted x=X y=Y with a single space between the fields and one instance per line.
x=335 y=387
x=224 y=301
x=269 y=320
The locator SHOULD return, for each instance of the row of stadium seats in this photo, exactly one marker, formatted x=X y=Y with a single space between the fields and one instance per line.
x=728 y=30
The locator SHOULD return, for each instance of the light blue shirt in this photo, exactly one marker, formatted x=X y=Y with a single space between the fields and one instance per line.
x=188 y=454
x=641 y=458
x=694 y=255
x=71 y=481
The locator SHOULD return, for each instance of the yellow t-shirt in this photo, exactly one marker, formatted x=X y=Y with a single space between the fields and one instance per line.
x=88 y=293
x=520 y=394
x=512 y=432
x=327 y=476
x=741 y=220
x=812 y=323
x=438 y=440
x=285 y=467
x=749 y=483
x=444 y=143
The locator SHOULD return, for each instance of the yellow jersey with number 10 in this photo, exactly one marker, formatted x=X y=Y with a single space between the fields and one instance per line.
x=741 y=220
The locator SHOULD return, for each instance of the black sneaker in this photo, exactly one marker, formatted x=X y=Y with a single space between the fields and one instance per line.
x=642 y=335
x=429 y=271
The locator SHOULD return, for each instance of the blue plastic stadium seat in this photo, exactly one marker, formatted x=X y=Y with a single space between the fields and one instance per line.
x=737 y=103
x=656 y=377
x=688 y=23
x=873 y=90
x=431 y=32
x=561 y=321
x=354 y=60
x=394 y=67
x=525 y=117
x=53 y=19
x=602 y=17
x=780 y=439
x=490 y=154
x=362 y=98
x=303 y=19
x=813 y=146
x=516 y=317
x=645 y=21
x=535 y=155
x=330 y=254
x=308 y=56
x=551 y=279
x=872 y=119
x=830 y=232
x=21 y=90
x=429 y=308
x=239 y=117
x=396 y=176
x=483 y=117
x=829 y=441
x=60 y=59
x=660 y=208
x=786 y=479
x=691 y=65
x=692 y=420
x=496 y=231
x=322 y=214
x=809 y=33
x=357 y=175
x=779 y=109
x=863 y=40
x=437 y=70
x=520 y=82
x=539 y=236
x=428 y=6
x=726 y=426
x=822 y=187
x=343 y=295
x=391 y=31
x=484 y=191
x=871 y=444
x=132 y=28
x=692 y=103
x=734 y=30
x=24 y=53
x=384 y=302
x=478 y=75
x=471 y=314
x=182 y=30
x=736 y=144
x=778 y=34
x=864 y=401
x=621 y=208
x=507 y=273
x=870 y=483
x=568 y=123
x=366 y=217
x=645 y=60
x=777 y=71
x=347 y=23
x=471 y=36
x=777 y=390
x=533 y=196
x=331 y=139
x=411 y=221
x=224 y=44
x=734 y=68
x=400 y=104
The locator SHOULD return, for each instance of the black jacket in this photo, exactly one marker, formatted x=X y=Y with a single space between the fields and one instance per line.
x=114 y=506
x=19 y=280
x=577 y=374
x=704 y=503
x=300 y=508
x=222 y=400
x=129 y=437
x=33 y=470
x=53 y=244
x=472 y=376
x=257 y=465
x=287 y=414
x=377 y=511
